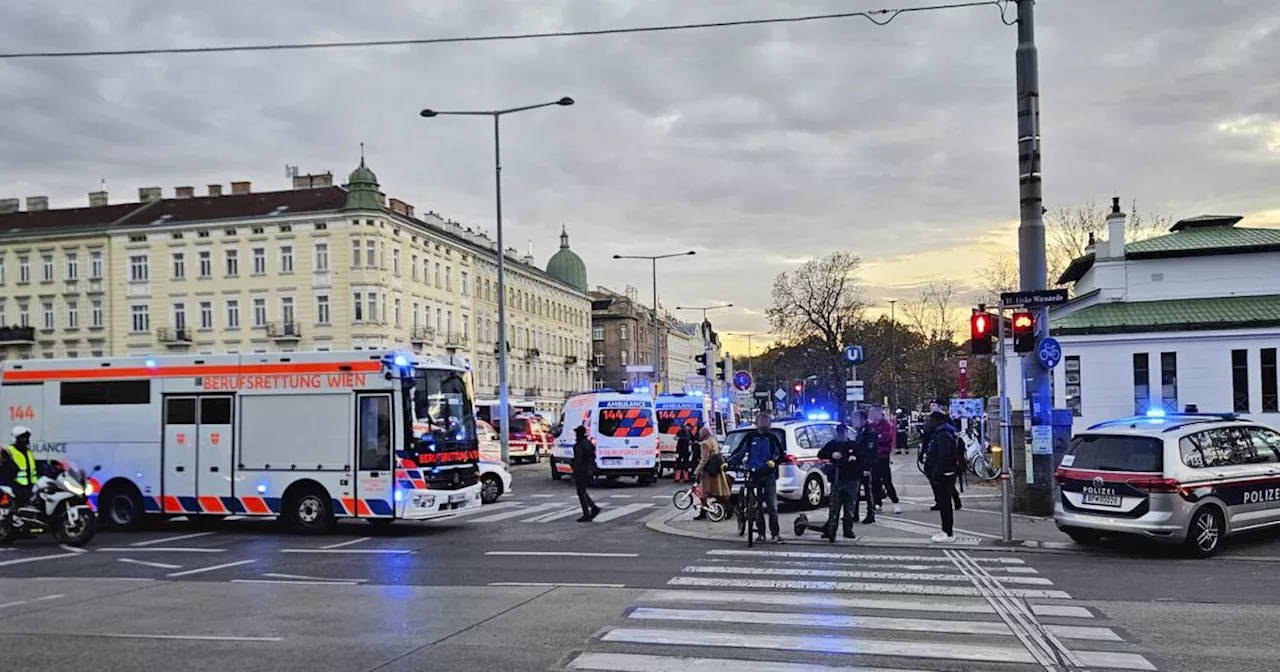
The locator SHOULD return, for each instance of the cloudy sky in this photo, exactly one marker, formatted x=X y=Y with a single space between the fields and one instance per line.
x=758 y=146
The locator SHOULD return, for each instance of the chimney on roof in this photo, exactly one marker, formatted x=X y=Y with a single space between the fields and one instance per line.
x=9 y=205
x=408 y=210
x=238 y=188
x=97 y=199
x=1092 y=246
x=397 y=205
x=148 y=194
x=1115 y=230
x=184 y=192
x=215 y=190
x=313 y=181
x=37 y=203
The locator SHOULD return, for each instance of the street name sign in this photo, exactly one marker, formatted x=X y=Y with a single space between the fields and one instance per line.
x=1034 y=299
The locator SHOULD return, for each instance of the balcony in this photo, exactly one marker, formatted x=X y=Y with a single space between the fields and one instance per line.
x=497 y=347
x=174 y=336
x=570 y=360
x=533 y=391
x=17 y=335
x=420 y=335
x=284 y=331
x=532 y=353
x=455 y=340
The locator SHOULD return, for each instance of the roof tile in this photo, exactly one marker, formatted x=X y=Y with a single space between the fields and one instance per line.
x=1228 y=312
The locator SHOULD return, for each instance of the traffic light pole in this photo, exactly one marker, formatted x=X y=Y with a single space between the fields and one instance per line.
x=1006 y=484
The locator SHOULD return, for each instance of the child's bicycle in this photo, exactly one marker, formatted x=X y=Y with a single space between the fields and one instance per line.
x=693 y=496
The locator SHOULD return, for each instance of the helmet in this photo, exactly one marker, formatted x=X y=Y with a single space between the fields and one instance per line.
x=19 y=430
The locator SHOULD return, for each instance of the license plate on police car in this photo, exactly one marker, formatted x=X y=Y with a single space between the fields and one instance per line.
x=1102 y=500
x=462 y=497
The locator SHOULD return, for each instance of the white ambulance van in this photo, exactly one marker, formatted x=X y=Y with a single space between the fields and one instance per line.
x=306 y=437
x=675 y=411
x=622 y=426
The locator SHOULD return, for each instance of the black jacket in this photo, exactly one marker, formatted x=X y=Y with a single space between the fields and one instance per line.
x=942 y=455
x=584 y=458
x=852 y=460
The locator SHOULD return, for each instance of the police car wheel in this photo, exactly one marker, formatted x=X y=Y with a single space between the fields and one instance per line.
x=1204 y=536
x=490 y=488
x=813 y=492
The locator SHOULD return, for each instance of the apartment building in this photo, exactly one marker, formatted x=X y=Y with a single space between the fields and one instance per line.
x=316 y=267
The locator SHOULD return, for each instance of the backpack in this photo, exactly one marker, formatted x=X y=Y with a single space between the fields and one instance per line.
x=715 y=464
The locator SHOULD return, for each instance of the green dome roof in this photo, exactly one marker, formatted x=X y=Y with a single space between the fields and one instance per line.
x=566 y=266
x=362 y=189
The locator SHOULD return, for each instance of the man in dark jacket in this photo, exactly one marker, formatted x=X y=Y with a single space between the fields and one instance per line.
x=882 y=471
x=941 y=458
x=846 y=472
x=584 y=467
x=683 y=438
x=759 y=455
x=938 y=416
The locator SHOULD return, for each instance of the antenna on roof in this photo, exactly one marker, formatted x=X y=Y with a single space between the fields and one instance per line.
x=362 y=153
x=290 y=171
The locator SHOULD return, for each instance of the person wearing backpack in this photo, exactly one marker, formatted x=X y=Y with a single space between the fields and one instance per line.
x=710 y=471
x=940 y=466
x=760 y=452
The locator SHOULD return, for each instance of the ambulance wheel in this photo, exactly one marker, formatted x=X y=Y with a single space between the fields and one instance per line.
x=555 y=474
x=120 y=506
x=308 y=510
x=646 y=480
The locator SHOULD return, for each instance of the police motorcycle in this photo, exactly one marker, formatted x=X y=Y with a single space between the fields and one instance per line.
x=59 y=505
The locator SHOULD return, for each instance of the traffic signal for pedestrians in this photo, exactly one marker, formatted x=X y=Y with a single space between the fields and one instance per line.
x=980 y=334
x=720 y=370
x=702 y=359
x=1024 y=332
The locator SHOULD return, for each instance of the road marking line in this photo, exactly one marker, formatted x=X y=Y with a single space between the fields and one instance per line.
x=350 y=551
x=660 y=496
x=6 y=605
x=622 y=496
x=558 y=585
x=299 y=577
x=214 y=568
x=858 y=556
x=856 y=574
x=515 y=513
x=487 y=508
x=296 y=582
x=1024 y=626
x=91 y=578
x=154 y=542
x=924 y=603
x=938 y=528
x=621 y=511
x=156 y=549
x=1122 y=661
x=570 y=554
x=910 y=567
x=636 y=662
x=817 y=620
x=194 y=638
x=556 y=515
x=1061 y=610
x=345 y=543
x=37 y=558
x=857 y=587
x=72 y=549
x=540 y=496
x=144 y=563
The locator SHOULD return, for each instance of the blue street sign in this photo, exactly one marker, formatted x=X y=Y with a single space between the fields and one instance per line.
x=742 y=380
x=853 y=354
x=1049 y=353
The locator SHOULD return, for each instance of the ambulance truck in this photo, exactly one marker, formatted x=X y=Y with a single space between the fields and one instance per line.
x=306 y=437
x=620 y=424
x=675 y=411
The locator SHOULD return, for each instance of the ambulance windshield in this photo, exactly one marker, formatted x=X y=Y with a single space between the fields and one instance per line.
x=442 y=406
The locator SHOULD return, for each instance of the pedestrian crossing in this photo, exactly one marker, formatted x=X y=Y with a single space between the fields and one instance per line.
x=548 y=511
x=780 y=610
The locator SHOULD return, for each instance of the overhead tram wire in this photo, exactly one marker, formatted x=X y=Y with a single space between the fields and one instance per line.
x=880 y=17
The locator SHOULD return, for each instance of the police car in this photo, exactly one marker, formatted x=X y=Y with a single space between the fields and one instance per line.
x=800 y=476
x=1178 y=478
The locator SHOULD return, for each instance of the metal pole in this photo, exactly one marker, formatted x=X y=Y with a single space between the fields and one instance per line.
x=893 y=355
x=657 y=352
x=1006 y=450
x=1031 y=235
x=504 y=402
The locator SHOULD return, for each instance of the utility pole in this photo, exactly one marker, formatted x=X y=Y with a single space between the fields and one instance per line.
x=893 y=355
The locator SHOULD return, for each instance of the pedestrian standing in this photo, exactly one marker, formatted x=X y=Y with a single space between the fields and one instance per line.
x=937 y=416
x=882 y=472
x=710 y=470
x=900 y=441
x=864 y=444
x=584 y=467
x=695 y=449
x=940 y=468
x=683 y=439
x=846 y=473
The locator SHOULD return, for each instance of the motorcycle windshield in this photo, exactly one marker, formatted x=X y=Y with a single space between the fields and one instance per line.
x=70 y=471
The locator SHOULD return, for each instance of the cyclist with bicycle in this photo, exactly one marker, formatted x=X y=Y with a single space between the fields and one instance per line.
x=758 y=455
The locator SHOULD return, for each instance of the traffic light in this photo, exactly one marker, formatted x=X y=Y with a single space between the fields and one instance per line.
x=702 y=359
x=980 y=334
x=720 y=370
x=1024 y=332
x=797 y=389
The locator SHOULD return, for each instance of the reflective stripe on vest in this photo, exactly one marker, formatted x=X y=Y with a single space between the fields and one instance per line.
x=26 y=463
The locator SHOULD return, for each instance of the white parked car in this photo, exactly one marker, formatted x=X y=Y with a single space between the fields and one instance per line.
x=495 y=480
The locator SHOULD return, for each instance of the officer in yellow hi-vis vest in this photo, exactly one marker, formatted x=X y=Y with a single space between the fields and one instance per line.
x=18 y=469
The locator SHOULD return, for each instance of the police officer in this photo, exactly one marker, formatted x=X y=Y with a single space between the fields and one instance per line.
x=18 y=468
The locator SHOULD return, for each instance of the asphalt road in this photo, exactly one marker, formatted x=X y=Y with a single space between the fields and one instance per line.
x=521 y=586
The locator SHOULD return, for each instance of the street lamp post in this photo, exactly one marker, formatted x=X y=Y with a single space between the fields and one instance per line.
x=893 y=354
x=504 y=402
x=657 y=352
x=706 y=342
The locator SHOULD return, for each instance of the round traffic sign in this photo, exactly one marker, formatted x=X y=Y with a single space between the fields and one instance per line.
x=742 y=380
x=1049 y=353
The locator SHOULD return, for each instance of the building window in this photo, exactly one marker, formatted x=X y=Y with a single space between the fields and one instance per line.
x=286 y=309
x=357 y=307
x=139 y=269
x=96 y=317
x=259 y=312
x=448 y=278
x=466 y=327
x=47 y=309
x=259 y=261
x=206 y=314
x=370 y=254
x=1240 y=380
x=1141 y=383
x=1169 y=381
x=439 y=320
x=622 y=331
x=322 y=308
x=24 y=270
x=322 y=256
x=413 y=267
x=438 y=275
x=371 y=300
x=625 y=357
x=413 y=314
x=466 y=289
x=355 y=253
x=426 y=270
x=396 y=313
x=95 y=265
x=206 y=263
x=73 y=267
x=1270 y=400
x=233 y=314
x=1071 y=367
x=597 y=333
x=24 y=315
x=395 y=261
x=382 y=254
x=140 y=319
x=233 y=263
x=179 y=316
x=599 y=359
x=286 y=258
x=179 y=266
x=73 y=314
x=46 y=267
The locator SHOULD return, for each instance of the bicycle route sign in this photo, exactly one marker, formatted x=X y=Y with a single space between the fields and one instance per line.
x=1049 y=352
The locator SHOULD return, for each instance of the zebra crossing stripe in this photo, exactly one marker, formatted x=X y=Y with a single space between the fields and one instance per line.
x=858 y=556
x=857 y=587
x=857 y=574
x=622 y=511
x=574 y=510
x=896 y=603
x=636 y=662
x=909 y=567
x=487 y=509
x=516 y=513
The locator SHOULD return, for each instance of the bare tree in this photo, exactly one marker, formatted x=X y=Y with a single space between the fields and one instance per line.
x=933 y=313
x=821 y=301
x=999 y=275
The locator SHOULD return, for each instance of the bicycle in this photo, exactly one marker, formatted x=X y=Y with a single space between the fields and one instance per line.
x=747 y=510
x=694 y=496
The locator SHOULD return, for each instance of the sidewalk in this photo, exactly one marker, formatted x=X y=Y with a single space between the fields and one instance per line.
x=977 y=524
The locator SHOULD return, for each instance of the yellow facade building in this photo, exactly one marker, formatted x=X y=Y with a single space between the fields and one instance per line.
x=317 y=267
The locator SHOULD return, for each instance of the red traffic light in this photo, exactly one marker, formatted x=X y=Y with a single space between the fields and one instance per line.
x=798 y=388
x=1024 y=332
x=1023 y=322
x=980 y=325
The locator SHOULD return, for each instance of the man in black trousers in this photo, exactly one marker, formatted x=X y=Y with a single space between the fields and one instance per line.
x=584 y=467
